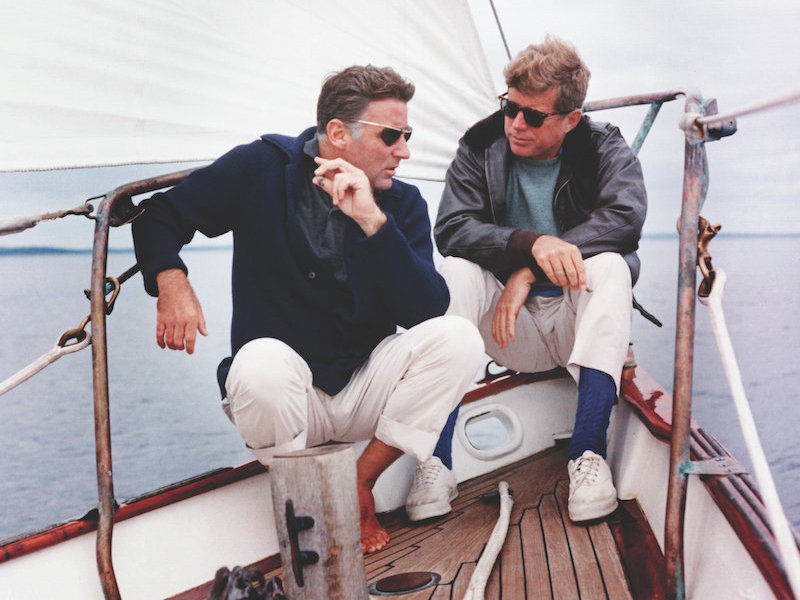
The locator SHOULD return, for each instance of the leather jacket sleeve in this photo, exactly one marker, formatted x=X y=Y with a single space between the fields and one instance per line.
x=466 y=225
x=614 y=219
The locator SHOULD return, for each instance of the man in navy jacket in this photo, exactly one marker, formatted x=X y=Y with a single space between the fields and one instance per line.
x=330 y=255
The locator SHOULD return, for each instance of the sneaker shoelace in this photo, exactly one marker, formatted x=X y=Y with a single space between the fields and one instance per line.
x=587 y=470
x=428 y=473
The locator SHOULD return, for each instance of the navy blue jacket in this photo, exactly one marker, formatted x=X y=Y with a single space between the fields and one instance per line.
x=280 y=288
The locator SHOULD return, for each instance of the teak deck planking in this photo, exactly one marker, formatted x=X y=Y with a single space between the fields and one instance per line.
x=544 y=556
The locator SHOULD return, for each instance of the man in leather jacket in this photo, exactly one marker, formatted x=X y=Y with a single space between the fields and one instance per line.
x=540 y=221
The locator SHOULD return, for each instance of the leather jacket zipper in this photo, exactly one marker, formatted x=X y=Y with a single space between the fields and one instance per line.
x=555 y=199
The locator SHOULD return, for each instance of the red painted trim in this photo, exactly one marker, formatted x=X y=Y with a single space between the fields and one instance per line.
x=137 y=506
x=641 y=556
x=653 y=404
x=650 y=400
x=754 y=534
x=508 y=382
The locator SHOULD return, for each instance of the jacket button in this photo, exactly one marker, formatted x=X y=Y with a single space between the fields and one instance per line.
x=311 y=275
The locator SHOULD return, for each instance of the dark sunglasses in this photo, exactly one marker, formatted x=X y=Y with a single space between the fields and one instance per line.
x=533 y=118
x=390 y=135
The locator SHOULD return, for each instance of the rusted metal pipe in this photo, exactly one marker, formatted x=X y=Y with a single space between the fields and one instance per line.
x=693 y=191
x=102 y=428
x=633 y=100
x=647 y=123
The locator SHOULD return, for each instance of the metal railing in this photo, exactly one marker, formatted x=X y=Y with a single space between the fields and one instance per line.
x=102 y=428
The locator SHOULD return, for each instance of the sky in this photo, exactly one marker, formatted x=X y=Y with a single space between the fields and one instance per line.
x=738 y=52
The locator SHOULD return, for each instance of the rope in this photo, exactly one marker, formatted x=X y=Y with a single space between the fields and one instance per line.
x=71 y=340
x=775 y=103
x=18 y=224
x=780 y=525
x=40 y=363
x=477 y=583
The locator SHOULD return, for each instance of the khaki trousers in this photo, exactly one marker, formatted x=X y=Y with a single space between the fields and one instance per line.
x=578 y=329
x=401 y=395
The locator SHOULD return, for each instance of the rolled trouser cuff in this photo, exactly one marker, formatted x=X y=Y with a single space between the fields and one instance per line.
x=410 y=440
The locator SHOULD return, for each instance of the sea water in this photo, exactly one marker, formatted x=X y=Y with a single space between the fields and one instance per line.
x=165 y=416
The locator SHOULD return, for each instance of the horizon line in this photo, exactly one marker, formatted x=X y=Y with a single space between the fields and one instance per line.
x=28 y=250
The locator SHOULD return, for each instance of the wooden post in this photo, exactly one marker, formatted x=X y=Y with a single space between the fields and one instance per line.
x=322 y=560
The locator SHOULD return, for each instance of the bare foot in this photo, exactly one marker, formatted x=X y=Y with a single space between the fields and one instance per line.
x=369 y=466
x=373 y=536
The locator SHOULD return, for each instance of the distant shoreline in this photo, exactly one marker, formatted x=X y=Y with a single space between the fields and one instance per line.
x=32 y=250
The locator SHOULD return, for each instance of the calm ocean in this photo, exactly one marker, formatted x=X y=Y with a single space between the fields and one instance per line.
x=167 y=425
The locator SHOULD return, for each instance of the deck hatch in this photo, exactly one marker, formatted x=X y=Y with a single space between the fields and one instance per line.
x=404 y=583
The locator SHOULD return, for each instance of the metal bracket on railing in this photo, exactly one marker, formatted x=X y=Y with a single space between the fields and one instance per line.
x=719 y=465
x=712 y=131
x=300 y=558
x=124 y=211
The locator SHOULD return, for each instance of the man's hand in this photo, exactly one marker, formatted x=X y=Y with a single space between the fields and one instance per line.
x=561 y=261
x=511 y=300
x=351 y=191
x=180 y=316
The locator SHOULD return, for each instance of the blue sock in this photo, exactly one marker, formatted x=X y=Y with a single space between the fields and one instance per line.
x=596 y=392
x=444 y=447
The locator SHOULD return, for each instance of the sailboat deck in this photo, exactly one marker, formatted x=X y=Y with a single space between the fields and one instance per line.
x=544 y=555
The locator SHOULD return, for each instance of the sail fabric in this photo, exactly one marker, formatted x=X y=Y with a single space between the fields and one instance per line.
x=106 y=82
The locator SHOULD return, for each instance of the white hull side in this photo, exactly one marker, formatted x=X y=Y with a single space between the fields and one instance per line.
x=157 y=554
x=717 y=563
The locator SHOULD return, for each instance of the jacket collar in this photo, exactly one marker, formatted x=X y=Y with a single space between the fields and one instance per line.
x=488 y=137
x=292 y=149
x=486 y=132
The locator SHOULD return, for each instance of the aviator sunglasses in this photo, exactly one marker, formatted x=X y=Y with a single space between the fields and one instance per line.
x=533 y=118
x=390 y=135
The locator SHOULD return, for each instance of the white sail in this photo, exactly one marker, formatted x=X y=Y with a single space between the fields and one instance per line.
x=90 y=83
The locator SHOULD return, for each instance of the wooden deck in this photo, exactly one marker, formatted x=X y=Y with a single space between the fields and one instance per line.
x=544 y=556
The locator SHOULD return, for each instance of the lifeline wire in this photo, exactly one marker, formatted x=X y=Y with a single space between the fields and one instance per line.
x=18 y=224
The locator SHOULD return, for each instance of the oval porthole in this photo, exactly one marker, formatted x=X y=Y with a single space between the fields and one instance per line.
x=485 y=431
x=490 y=431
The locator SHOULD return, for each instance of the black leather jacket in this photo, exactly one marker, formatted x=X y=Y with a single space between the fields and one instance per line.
x=600 y=200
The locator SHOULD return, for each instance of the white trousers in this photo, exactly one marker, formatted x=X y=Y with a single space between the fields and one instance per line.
x=401 y=395
x=578 y=329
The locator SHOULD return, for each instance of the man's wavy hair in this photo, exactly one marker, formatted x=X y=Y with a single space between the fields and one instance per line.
x=346 y=94
x=554 y=62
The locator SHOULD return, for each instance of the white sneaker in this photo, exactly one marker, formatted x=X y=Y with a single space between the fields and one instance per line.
x=591 y=491
x=433 y=488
